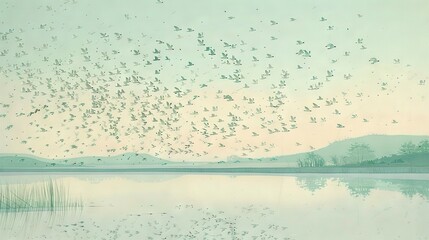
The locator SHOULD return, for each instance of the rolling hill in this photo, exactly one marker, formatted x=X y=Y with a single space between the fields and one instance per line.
x=384 y=146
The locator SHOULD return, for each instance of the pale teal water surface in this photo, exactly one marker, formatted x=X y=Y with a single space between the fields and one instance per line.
x=149 y=206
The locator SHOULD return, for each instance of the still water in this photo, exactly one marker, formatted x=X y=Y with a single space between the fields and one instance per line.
x=152 y=206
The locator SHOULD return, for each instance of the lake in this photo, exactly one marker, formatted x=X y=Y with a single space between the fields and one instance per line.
x=215 y=206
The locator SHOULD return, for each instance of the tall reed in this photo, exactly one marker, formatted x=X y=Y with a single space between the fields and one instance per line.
x=46 y=196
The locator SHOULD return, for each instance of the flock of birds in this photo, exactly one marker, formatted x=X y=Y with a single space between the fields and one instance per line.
x=184 y=92
x=185 y=221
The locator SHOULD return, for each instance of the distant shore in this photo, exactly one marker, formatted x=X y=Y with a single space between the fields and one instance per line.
x=243 y=170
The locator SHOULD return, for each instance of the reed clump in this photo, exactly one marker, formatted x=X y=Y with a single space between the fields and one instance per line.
x=45 y=196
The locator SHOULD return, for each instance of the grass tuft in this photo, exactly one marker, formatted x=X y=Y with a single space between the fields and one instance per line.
x=46 y=196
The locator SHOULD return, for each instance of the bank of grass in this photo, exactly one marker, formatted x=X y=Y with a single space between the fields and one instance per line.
x=46 y=196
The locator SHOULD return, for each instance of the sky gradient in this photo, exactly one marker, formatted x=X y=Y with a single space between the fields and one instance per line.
x=204 y=80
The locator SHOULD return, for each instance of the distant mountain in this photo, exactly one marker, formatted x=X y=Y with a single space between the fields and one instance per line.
x=126 y=159
x=13 y=161
x=382 y=145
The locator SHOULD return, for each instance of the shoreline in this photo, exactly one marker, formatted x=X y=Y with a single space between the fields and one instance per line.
x=244 y=170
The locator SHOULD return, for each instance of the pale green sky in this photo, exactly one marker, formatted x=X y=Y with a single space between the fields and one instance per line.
x=100 y=45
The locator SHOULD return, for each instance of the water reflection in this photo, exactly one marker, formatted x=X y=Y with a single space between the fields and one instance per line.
x=362 y=187
x=359 y=187
x=94 y=178
x=122 y=206
x=27 y=222
x=47 y=199
x=312 y=183
x=411 y=188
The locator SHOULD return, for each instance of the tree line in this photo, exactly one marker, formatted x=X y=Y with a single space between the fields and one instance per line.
x=356 y=153
x=359 y=153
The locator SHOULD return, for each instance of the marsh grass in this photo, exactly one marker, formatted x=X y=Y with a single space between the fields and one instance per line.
x=46 y=196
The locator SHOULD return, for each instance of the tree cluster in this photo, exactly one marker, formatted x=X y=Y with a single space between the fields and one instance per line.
x=411 y=148
x=311 y=160
x=356 y=153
